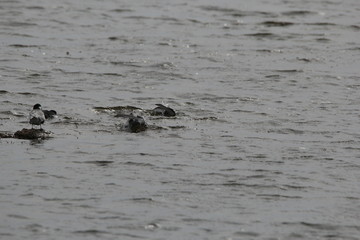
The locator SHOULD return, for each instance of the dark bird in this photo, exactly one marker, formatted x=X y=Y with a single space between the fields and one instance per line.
x=163 y=111
x=36 y=116
x=136 y=124
x=49 y=114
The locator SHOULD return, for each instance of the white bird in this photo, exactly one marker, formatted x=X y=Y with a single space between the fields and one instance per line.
x=36 y=116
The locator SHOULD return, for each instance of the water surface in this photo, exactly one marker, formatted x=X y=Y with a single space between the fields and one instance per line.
x=265 y=144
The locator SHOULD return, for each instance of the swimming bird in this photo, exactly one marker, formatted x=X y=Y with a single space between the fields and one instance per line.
x=163 y=110
x=136 y=124
x=36 y=116
x=49 y=114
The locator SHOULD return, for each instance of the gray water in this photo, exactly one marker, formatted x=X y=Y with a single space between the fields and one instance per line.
x=265 y=144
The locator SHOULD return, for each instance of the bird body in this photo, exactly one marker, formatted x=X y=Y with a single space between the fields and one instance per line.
x=36 y=116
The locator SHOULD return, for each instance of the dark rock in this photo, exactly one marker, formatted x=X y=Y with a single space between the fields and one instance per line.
x=6 y=135
x=32 y=134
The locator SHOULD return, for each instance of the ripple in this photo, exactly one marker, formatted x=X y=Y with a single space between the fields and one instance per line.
x=163 y=65
x=246 y=234
x=69 y=199
x=121 y=10
x=270 y=35
x=277 y=23
x=287 y=131
x=142 y=199
x=98 y=162
x=24 y=46
x=17 y=216
x=277 y=196
x=288 y=70
x=299 y=13
x=35 y=8
x=121 y=110
x=321 y=24
x=94 y=232
x=235 y=12
x=17 y=24
x=142 y=164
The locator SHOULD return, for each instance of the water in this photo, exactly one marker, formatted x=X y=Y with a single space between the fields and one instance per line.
x=265 y=144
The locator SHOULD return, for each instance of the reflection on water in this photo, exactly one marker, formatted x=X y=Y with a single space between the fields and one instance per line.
x=264 y=143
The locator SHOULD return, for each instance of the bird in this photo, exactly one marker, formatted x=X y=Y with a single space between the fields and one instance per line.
x=136 y=124
x=36 y=116
x=49 y=114
x=163 y=110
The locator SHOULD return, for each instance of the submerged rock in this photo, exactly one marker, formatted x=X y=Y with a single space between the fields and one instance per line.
x=32 y=134
x=6 y=135
x=125 y=109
